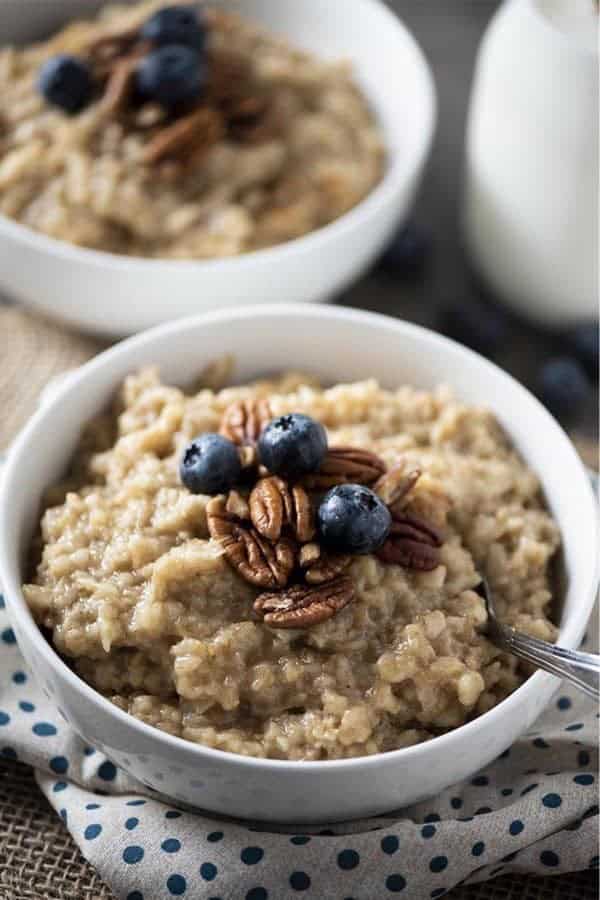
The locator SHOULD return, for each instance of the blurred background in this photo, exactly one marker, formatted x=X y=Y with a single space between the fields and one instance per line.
x=425 y=277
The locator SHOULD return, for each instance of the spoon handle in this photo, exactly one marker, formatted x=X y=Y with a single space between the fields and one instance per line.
x=581 y=669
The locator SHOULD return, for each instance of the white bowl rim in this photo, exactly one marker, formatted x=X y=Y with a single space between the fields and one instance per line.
x=17 y=605
x=395 y=175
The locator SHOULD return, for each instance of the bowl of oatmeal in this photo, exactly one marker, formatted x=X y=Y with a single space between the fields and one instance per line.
x=172 y=629
x=285 y=151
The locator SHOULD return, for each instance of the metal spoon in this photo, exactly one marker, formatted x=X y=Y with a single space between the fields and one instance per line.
x=580 y=669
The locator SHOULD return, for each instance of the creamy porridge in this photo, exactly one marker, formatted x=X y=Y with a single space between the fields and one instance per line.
x=148 y=608
x=275 y=144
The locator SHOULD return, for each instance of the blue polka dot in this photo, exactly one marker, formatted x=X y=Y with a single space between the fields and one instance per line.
x=299 y=881
x=135 y=895
x=583 y=758
x=437 y=892
x=92 y=831
x=480 y=781
x=59 y=764
x=89 y=751
x=92 y=806
x=584 y=779
x=171 y=845
x=107 y=771
x=428 y=831
x=456 y=803
x=63 y=814
x=214 y=837
x=132 y=855
x=257 y=893
x=390 y=844
x=506 y=792
x=26 y=706
x=549 y=858
x=563 y=703
x=172 y=814
x=19 y=677
x=176 y=885
x=208 y=871
x=8 y=753
x=348 y=859
x=576 y=726
x=541 y=743
x=4 y=718
x=300 y=839
x=44 y=729
x=516 y=827
x=8 y=636
x=135 y=803
x=395 y=883
x=438 y=863
x=530 y=787
x=132 y=823
x=552 y=801
x=59 y=786
x=432 y=817
x=478 y=848
x=251 y=855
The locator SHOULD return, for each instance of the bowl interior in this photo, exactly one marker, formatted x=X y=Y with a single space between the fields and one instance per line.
x=386 y=60
x=338 y=345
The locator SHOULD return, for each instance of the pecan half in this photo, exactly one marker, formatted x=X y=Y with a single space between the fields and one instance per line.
x=244 y=420
x=413 y=544
x=344 y=465
x=274 y=504
x=197 y=131
x=256 y=560
x=395 y=484
x=300 y=606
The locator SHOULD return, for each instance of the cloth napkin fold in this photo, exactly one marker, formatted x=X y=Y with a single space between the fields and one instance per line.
x=533 y=810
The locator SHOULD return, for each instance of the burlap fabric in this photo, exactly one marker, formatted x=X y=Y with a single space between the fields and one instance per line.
x=38 y=859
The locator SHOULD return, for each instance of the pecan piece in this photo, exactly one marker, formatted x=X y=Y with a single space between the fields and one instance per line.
x=119 y=86
x=244 y=420
x=395 y=484
x=320 y=566
x=199 y=130
x=300 y=606
x=273 y=504
x=413 y=544
x=344 y=465
x=255 y=559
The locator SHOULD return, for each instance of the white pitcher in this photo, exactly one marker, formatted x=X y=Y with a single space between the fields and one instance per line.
x=531 y=184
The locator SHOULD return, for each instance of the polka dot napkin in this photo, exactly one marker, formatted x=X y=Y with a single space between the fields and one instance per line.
x=535 y=809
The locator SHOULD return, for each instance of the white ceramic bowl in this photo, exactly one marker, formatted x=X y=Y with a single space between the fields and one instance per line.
x=118 y=295
x=336 y=344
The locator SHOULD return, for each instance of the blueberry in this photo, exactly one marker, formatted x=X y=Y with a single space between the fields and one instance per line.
x=481 y=327
x=352 y=519
x=408 y=251
x=292 y=445
x=563 y=386
x=171 y=75
x=210 y=465
x=175 y=25
x=583 y=342
x=66 y=82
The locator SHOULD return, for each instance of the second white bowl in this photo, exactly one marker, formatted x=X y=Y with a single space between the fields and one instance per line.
x=118 y=295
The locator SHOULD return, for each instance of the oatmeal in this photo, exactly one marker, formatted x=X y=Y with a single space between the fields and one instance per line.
x=268 y=143
x=140 y=591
